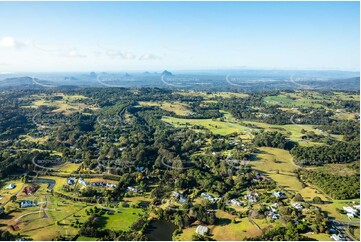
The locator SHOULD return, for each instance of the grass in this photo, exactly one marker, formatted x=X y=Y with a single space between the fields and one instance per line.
x=69 y=167
x=40 y=140
x=278 y=165
x=67 y=105
x=176 y=107
x=85 y=238
x=122 y=219
x=215 y=126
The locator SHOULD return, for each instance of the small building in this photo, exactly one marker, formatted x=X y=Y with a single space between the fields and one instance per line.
x=139 y=168
x=71 y=181
x=337 y=237
x=279 y=194
x=350 y=210
x=202 y=230
x=111 y=185
x=11 y=186
x=26 y=203
x=274 y=215
x=132 y=189
x=209 y=197
x=81 y=181
x=297 y=206
x=236 y=202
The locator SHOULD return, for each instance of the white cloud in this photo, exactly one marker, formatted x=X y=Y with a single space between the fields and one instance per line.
x=11 y=43
x=149 y=57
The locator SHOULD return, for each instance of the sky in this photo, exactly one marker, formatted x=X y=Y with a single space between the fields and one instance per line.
x=146 y=36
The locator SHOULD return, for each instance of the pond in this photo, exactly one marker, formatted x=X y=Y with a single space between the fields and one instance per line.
x=160 y=230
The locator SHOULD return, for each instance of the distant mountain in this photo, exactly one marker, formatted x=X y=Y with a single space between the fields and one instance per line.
x=93 y=74
x=167 y=73
x=18 y=83
x=127 y=75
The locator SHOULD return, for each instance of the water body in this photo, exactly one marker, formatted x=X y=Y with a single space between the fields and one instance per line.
x=160 y=230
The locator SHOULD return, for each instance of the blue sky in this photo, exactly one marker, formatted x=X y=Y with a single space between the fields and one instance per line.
x=122 y=36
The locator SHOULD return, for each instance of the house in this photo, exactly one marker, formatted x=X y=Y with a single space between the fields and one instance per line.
x=132 y=189
x=337 y=237
x=236 y=202
x=26 y=203
x=70 y=182
x=351 y=211
x=252 y=197
x=209 y=197
x=297 y=206
x=202 y=230
x=97 y=184
x=111 y=185
x=11 y=186
x=139 y=168
x=81 y=181
x=274 y=215
x=279 y=194
x=176 y=194
x=274 y=207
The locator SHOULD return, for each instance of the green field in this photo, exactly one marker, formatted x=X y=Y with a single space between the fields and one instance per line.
x=122 y=219
x=215 y=126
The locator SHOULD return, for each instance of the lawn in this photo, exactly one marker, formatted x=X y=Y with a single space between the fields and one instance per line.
x=122 y=219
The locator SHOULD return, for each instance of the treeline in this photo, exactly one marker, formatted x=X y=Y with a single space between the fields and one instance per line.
x=273 y=139
x=336 y=186
x=339 y=152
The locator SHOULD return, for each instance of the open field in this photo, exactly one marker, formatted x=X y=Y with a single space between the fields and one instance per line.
x=176 y=107
x=122 y=219
x=215 y=126
x=213 y=95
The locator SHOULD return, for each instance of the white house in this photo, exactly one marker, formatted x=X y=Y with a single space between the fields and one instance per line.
x=297 y=206
x=236 y=202
x=11 y=186
x=26 y=203
x=202 y=230
x=132 y=189
x=336 y=237
x=351 y=211
x=111 y=185
x=209 y=197
x=81 y=181
x=279 y=194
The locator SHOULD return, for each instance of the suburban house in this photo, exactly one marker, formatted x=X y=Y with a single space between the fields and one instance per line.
x=202 y=230
x=11 y=186
x=26 y=203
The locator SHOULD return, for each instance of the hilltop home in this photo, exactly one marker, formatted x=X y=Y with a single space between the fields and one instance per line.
x=279 y=194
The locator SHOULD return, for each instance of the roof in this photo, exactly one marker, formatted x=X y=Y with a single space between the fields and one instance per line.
x=202 y=229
